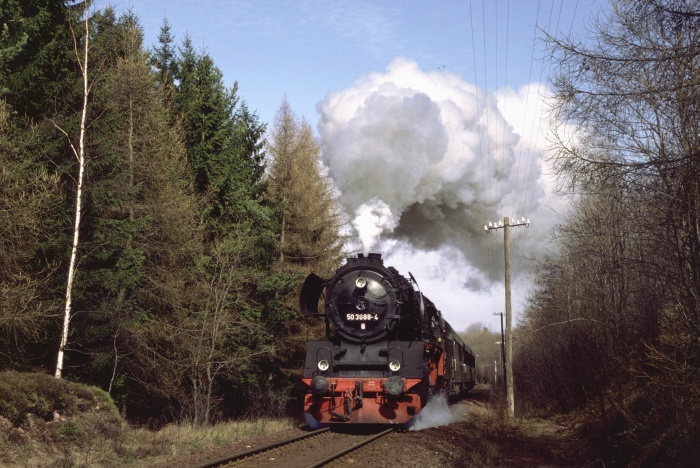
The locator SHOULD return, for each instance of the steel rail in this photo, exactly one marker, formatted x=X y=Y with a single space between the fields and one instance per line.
x=247 y=453
x=349 y=449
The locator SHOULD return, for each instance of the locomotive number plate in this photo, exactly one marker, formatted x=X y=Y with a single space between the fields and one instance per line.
x=361 y=317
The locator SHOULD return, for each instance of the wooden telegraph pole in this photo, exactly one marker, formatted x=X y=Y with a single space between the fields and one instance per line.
x=506 y=224
x=503 y=347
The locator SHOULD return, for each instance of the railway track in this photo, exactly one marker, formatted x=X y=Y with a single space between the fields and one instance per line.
x=308 y=451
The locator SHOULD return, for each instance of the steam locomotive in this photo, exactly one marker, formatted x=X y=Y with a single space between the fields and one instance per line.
x=387 y=347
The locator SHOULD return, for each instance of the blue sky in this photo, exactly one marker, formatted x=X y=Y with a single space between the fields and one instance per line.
x=461 y=83
x=304 y=49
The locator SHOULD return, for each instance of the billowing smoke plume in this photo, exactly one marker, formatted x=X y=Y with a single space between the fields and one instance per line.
x=425 y=159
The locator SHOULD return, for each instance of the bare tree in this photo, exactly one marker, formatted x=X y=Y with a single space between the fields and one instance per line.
x=634 y=96
x=615 y=316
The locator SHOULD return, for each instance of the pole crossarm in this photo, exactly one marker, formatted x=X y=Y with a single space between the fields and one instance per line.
x=511 y=223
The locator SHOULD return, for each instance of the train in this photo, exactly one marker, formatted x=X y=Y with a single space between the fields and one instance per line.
x=387 y=347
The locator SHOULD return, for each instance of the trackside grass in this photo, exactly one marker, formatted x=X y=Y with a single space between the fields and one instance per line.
x=53 y=422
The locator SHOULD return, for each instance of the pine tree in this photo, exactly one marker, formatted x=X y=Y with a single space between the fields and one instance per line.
x=37 y=61
x=311 y=220
x=141 y=235
x=28 y=194
x=310 y=237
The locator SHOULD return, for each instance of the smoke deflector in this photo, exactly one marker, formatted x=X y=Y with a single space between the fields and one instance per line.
x=310 y=294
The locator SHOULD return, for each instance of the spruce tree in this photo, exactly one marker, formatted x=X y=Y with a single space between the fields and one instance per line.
x=141 y=234
x=28 y=193
x=238 y=313
x=163 y=58
x=37 y=61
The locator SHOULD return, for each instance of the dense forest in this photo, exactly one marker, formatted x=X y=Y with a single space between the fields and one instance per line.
x=155 y=233
x=143 y=216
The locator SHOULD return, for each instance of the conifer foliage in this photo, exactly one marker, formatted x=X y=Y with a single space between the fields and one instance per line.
x=311 y=219
x=178 y=308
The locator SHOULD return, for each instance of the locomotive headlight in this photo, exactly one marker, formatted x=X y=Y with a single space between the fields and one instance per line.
x=394 y=366
x=323 y=365
x=361 y=282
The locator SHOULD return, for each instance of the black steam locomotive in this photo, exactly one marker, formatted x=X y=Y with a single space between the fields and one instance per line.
x=387 y=347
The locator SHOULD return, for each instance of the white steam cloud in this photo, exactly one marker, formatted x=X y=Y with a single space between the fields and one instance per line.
x=371 y=220
x=425 y=159
x=437 y=412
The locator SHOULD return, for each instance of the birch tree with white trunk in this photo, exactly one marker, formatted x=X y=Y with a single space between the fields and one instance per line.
x=79 y=153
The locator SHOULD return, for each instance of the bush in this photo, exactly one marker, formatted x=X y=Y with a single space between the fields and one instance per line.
x=43 y=395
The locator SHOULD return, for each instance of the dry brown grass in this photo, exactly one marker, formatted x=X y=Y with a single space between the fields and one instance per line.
x=485 y=437
x=52 y=422
x=84 y=443
x=174 y=441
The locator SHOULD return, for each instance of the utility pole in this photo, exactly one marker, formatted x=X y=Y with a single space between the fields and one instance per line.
x=506 y=224
x=503 y=347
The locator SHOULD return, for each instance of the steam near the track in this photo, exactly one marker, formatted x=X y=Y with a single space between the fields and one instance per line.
x=437 y=413
x=424 y=159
